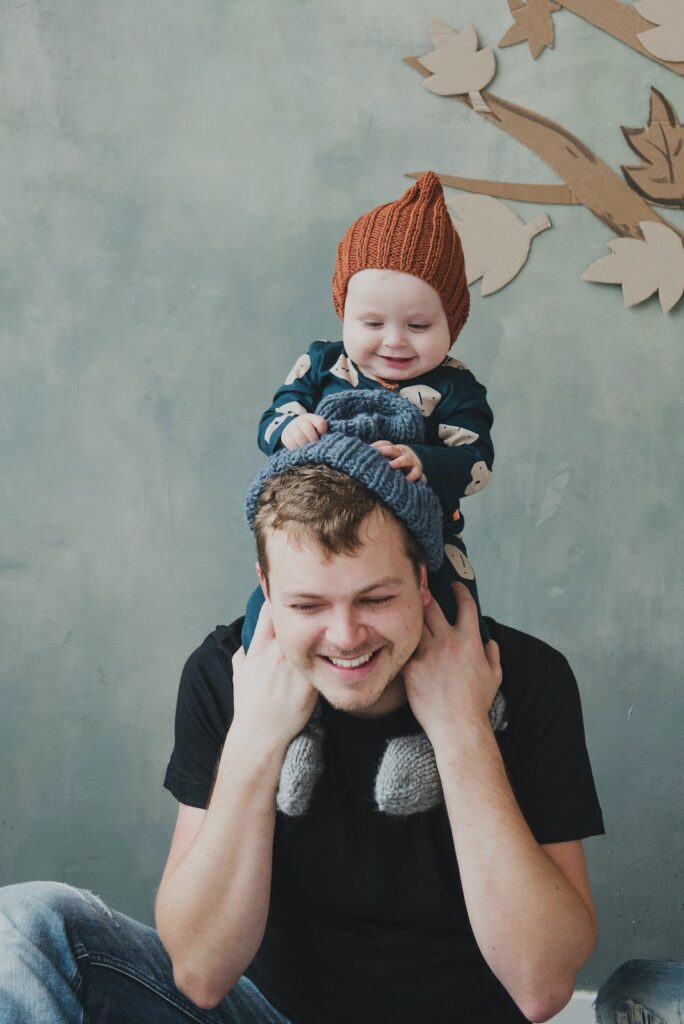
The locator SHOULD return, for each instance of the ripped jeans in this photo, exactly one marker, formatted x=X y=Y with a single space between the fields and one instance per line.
x=642 y=992
x=66 y=958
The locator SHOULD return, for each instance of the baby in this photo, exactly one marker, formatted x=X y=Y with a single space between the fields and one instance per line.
x=400 y=288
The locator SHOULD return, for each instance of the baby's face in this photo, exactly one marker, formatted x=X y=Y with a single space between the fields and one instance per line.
x=394 y=326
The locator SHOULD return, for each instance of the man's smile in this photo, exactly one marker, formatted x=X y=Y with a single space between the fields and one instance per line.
x=351 y=662
x=352 y=669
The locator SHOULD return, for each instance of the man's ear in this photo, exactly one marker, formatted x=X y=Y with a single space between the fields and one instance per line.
x=263 y=582
x=425 y=594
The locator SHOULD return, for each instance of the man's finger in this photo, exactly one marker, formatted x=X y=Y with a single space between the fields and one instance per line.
x=466 y=609
x=264 y=625
x=494 y=659
x=434 y=619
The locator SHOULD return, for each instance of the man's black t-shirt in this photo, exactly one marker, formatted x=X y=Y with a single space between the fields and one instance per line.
x=367 y=922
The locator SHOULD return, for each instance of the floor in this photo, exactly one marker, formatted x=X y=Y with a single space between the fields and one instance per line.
x=578 y=1011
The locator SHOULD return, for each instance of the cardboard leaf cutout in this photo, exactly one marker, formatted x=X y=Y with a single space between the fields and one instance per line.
x=440 y=32
x=458 y=66
x=642 y=268
x=667 y=40
x=496 y=242
x=661 y=146
x=532 y=22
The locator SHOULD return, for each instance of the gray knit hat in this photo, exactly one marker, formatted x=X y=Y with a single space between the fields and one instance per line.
x=355 y=419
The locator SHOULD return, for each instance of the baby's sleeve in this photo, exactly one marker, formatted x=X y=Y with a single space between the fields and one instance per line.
x=299 y=394
x=460 y=459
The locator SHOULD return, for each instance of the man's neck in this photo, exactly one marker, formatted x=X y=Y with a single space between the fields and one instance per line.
x=392 y=698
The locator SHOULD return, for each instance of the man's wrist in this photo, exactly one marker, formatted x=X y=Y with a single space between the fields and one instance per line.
x=466 y=734
x=248 y=754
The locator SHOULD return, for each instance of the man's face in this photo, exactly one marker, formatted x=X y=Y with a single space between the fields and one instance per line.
x=349 y=622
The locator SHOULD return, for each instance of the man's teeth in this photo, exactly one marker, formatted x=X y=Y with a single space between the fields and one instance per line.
x=352 y=662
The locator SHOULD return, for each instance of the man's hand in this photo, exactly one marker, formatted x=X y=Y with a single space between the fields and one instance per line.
x=451 y=678
x=303 y=429
x=401 y=457
x=273 y=701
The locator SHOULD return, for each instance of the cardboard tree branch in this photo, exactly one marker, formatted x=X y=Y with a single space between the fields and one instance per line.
x=557 y=195
x=659 y=178
x=589 y=180
x=654 y=28
x=649 y=255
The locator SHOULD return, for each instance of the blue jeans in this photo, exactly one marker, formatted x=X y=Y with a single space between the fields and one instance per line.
x=66 y=957
x=642 y=992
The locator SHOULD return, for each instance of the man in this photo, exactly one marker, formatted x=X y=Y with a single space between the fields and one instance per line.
x=353 y=916
x=476 y=911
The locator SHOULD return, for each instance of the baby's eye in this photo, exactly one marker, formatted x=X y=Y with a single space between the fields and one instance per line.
x=373 y=323
x=419 y=327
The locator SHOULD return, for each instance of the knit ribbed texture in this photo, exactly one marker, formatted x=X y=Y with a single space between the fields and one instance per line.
x=411 y=501
x=373 y=416
x=414 y=235
x=408 y=780
x=300 y=772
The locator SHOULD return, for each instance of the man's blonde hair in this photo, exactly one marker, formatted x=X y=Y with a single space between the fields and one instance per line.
x=323 y=505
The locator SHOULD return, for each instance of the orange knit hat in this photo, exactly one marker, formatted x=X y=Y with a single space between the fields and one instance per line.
x=415 y=235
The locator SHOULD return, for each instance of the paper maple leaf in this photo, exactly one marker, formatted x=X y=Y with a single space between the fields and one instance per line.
x=532 y=22
x=644 y=267
x=496 y=242
x=667 y=40
x=457 y=65
x=661 y=145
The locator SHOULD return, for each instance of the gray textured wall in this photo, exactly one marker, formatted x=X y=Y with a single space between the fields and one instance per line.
x=174 y=178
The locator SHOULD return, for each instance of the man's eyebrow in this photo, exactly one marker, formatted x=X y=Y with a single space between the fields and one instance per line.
x=387 y=581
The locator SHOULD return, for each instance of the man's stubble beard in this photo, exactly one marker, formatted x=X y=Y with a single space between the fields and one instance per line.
x=394 y=672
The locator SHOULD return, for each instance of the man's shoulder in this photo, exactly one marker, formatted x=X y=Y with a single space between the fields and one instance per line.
x=523 y=650
x=537 y=679
x=217 y=649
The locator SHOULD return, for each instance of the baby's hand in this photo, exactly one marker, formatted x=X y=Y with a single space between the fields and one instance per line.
x=303 y=429
x=402 y=457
